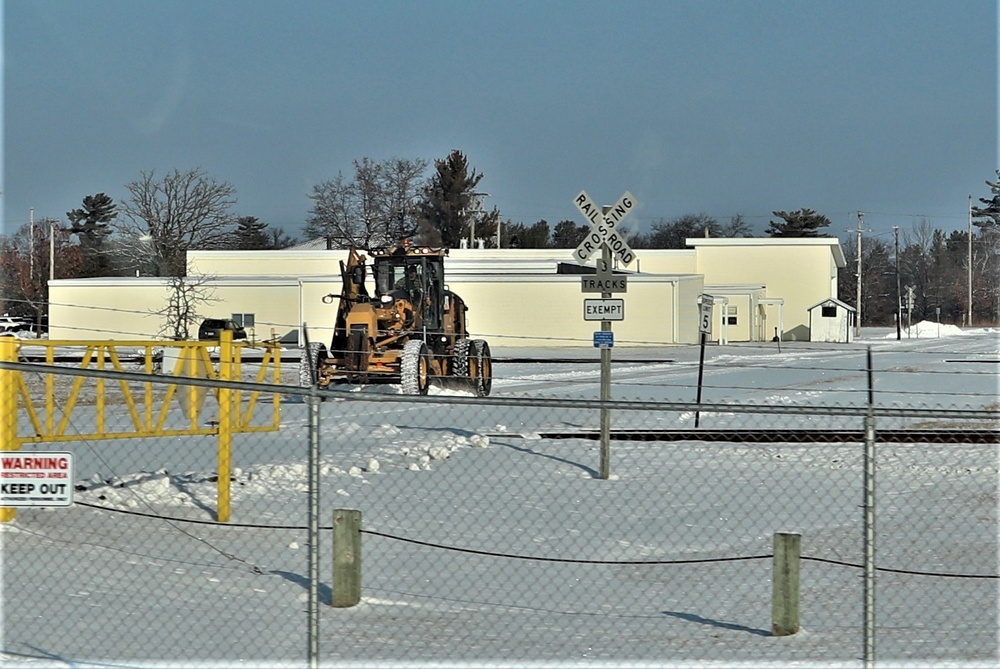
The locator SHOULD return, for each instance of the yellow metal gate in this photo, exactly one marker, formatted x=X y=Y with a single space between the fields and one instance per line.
x=158 y=407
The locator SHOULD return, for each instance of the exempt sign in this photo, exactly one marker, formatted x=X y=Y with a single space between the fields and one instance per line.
x=39 y=479
x=610 y=309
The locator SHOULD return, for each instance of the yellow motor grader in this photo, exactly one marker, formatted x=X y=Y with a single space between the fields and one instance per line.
x=412 y=331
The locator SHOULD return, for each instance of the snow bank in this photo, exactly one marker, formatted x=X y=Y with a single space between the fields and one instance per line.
x=929 y=330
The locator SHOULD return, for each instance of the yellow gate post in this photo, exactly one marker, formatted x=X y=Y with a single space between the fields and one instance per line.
x=225 y=423
x=8 y=409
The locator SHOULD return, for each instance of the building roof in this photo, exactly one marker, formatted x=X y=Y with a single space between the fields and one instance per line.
x=832 y=242
x=832 y=300
x=309 y=245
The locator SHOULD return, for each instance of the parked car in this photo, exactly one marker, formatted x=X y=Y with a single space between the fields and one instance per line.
x=211 y=329
x=13 y=324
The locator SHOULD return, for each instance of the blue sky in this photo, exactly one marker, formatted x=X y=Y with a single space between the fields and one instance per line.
x=715 y=106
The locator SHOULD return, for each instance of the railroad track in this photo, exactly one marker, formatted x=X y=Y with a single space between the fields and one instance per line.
x=792 y=436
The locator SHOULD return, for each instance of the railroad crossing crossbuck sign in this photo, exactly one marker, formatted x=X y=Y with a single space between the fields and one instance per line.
x=604 y=228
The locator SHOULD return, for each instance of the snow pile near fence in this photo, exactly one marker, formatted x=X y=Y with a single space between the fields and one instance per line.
x=281 y=481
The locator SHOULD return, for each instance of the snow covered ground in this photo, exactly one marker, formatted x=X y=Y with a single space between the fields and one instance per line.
x=486 y=544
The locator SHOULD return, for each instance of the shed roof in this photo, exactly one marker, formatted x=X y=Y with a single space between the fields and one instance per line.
x=832 y=300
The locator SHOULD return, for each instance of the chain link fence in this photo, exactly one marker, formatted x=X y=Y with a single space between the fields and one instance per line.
x=487 y=535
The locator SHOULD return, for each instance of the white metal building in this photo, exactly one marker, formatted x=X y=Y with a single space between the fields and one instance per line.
x=516 y=297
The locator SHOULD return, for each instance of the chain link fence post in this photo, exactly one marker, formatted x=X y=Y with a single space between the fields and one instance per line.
x=869 y=523
x=225 y=457
x=313 y=402
x=313 y=634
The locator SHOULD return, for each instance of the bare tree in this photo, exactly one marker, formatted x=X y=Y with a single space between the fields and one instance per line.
x=736 y=227
x=377 y=207
x=332 y=216
x=184 y=210
x=279 y=239
x=25 y=270
x=403 y=181
x=673 y=233
x=185 y=298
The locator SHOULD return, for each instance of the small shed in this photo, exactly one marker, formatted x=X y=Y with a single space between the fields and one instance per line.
x=831 y=320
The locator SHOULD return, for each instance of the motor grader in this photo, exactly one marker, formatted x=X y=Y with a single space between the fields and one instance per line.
x=412 y=331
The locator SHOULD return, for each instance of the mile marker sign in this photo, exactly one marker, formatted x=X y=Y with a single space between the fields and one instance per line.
x=604 y=232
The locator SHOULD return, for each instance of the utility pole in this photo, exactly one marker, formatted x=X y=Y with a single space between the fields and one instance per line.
x=53 y=224
x=909 y=310
x=472 y=222
x=31 y=244
x=969 y=316
x=899 y=315
x=857 y=314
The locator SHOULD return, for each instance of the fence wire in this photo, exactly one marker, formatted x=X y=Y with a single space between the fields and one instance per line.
x=488 y=536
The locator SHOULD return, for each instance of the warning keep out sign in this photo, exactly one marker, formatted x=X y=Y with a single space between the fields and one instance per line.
x=36 y=479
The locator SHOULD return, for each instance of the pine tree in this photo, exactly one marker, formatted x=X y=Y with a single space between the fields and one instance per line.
x=90 y=225
x=989 y=215
x=799 y=223
x=251 y=234
x=447 y=212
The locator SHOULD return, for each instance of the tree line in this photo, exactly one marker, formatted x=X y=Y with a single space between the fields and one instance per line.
x=932 y=266
x=380 y=203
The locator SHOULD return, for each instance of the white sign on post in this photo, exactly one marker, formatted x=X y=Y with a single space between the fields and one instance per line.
x=599 y=284
x=36 y=479
x=606 y=309
x=706 y=314
x=604 y=228
x=604 y=235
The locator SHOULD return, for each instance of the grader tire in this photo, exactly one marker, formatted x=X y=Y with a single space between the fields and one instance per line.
x=415 y=368
x=461 y=364
x=483 y=374
x=309 y=364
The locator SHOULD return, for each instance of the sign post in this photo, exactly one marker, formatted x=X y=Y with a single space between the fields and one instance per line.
x=604 y=235
x=705 y=327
